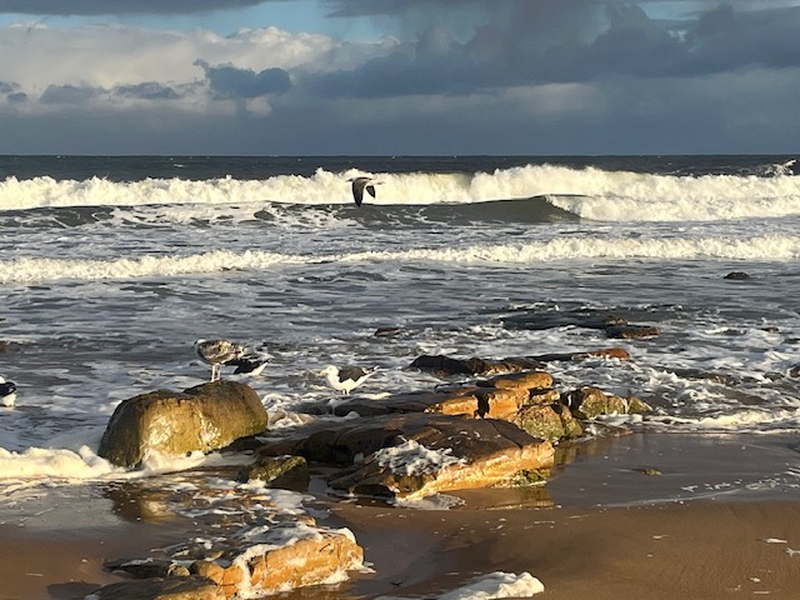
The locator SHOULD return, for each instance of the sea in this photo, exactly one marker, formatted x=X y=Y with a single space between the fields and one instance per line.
x=112 y=266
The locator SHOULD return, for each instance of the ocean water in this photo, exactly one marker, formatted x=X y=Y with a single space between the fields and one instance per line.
x=111 y=267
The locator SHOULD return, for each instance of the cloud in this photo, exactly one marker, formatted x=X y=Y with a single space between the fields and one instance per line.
x=227 y=81
x=69 y=94
x=116 y=7
x=450 y=76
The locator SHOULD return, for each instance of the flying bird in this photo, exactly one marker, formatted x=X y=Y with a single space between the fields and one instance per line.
x=346 y=379
x=8 y=391
x=224 y=352
x=359 y=185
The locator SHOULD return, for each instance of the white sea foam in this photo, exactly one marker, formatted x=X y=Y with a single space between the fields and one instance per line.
x=591 y=193
x=83 y=464
x=412 y=458
x=492 y=586
x=763 y=247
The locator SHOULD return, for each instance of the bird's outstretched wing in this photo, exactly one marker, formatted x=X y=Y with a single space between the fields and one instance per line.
x=359 y=185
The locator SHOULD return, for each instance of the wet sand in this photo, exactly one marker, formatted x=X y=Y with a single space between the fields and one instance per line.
x=648 y=515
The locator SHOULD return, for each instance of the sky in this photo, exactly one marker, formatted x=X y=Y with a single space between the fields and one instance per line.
x=399 y=77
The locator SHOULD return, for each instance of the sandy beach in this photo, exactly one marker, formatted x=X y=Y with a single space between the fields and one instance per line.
x=644 y=515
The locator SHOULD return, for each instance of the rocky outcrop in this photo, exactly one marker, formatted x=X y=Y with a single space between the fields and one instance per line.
x=203 y=418
x=414 y=455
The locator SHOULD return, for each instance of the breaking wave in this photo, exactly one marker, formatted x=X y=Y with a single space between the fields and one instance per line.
x=765 y=247
x=586 y=193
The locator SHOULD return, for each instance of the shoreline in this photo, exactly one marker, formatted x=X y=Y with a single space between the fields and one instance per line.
x=647 y=514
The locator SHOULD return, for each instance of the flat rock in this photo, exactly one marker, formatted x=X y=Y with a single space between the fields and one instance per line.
x=161 y=588
x=474 y=453
x=446 y=366
x=203 y=418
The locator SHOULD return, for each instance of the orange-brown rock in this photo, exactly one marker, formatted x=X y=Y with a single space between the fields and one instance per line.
x=479 y=452
x=548 y=396
x=614 y=352
x=526 y=380
x=309 y=561
x=631 y=332
x=483 y=402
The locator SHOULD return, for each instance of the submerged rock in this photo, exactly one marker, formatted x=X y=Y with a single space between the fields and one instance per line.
x=629 y=332
x=202 y=418
x=277 y=471
x=737 y=276
x=162 y=588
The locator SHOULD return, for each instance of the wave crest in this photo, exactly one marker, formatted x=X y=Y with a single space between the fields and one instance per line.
x=588 y=193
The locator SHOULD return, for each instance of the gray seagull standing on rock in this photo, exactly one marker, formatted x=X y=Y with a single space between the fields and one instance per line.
x=224 y=352
x=359 y=185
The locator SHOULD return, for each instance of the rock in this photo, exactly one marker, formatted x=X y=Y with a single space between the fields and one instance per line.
x=203 y=418
x=484 y=402
x=461 y=400
x=619 y=353
x=444 y=366
x=527 y=380
x=590 y=402
x=548 y=422
x=141 y=569
x=461 y=453
x=309 y=561
x=160 y=588
x=549 y=396
x=276 y=470
x=629 y=332
x=737 y=276
x=388 y=331
x=234 y=526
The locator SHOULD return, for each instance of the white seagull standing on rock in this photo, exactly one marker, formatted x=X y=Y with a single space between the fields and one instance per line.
x=346 y=379
x=224 y=352
x=8 y=392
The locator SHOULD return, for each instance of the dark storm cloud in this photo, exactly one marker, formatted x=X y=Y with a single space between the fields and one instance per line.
x=76 y=95
x=581 y=41
x=227 y=81
x=112 y=7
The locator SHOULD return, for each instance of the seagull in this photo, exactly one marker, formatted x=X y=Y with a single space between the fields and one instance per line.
x=359 y=185
x=8 y=392
x=347 y=378
x=224 y=352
